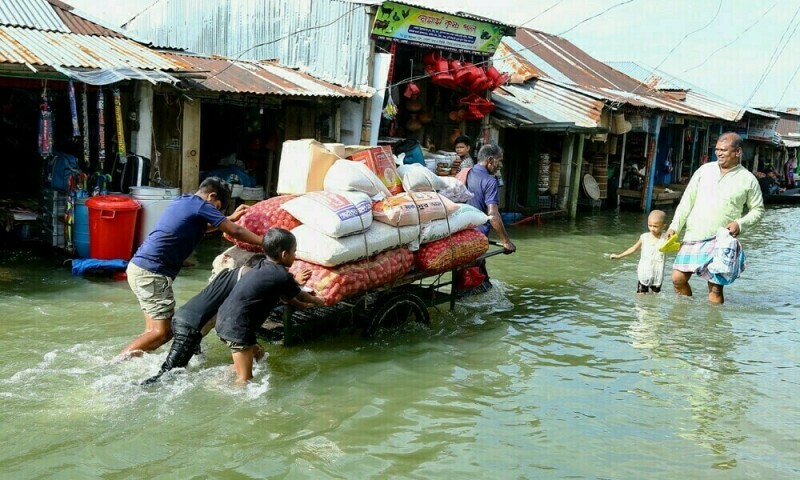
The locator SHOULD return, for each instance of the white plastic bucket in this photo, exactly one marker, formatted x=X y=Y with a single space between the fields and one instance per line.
x=154 y=201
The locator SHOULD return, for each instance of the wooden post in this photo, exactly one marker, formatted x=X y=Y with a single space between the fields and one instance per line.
x=651 y=166
x=694 y=149
x=190 y=147
x=566 y=167
x=621 y=165
x=576 y=179
x=680 y=145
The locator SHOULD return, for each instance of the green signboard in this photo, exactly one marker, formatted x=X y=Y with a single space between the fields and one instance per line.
x=407 y=24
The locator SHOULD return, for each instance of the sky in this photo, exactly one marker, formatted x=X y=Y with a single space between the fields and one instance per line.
x=747 y=51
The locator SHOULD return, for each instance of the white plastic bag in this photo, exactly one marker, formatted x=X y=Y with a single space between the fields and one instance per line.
x=455 y=190
x=335 y=214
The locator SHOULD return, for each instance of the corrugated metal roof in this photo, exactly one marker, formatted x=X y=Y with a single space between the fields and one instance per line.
x=38 y=14
x=36 y=47
x=650 y=76
x=788 y=126
x=329 y=39
x=539 y=102
x=534 y=54
x=78 y=24
x=694 y=97
x=261 y=78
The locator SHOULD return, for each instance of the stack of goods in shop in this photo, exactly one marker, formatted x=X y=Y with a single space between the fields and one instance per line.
x=362 y=222
x=600 y=173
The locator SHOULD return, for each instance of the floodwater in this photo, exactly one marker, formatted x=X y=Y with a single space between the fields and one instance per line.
x=560 y=372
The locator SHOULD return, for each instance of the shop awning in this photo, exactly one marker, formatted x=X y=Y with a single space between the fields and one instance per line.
x=221 y=74
x=108 y=76
x=78 y=54
x=542 y=105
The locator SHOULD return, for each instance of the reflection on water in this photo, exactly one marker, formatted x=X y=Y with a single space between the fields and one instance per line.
x=559 y=371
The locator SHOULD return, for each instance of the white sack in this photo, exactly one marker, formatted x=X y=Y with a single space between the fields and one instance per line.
x=347 y=175
x=465 y=217
x=320 y=249
x=231 y=258
x=417 y=178
x=335 y=214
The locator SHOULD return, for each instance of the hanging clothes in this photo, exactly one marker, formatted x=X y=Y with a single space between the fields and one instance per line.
x=85 y=107
x=45 y=127
x=73 y=111
x=121 y=149
x=101 y=130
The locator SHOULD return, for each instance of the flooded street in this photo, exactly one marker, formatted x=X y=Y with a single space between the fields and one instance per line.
x=562 y=371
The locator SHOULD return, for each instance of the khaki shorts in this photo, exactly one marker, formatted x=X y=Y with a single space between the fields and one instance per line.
x=237 y=347
x=154 y=292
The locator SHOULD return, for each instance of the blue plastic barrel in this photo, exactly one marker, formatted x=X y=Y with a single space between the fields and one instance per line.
x=80 y=229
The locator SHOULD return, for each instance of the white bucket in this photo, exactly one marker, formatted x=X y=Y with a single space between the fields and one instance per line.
x=154 y=201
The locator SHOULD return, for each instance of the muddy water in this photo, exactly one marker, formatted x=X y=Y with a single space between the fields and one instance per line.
x=561 y=371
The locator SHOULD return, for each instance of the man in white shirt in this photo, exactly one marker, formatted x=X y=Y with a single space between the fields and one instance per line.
x=717 y=196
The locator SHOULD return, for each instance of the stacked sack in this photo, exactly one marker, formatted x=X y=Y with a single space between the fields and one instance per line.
x=360 y=230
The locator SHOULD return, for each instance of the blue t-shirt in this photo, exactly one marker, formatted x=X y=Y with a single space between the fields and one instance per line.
x=176 y=234
x=483 y=186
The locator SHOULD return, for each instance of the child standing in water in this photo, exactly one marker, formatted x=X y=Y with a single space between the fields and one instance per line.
x=651 y=262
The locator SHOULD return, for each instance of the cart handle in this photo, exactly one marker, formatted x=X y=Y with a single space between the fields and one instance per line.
x=495 y=252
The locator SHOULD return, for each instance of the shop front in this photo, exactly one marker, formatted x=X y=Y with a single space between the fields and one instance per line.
x=438 y=76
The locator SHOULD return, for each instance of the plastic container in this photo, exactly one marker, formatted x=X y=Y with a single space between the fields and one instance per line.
x=80 y=229
x=154 y=201
x=112 y=223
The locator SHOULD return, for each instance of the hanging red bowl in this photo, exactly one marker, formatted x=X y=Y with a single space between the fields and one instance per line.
x=430 y=57
x=503 y=78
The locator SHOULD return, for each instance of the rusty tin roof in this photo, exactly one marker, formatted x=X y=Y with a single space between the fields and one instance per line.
x=220 y=74
x=534 y=54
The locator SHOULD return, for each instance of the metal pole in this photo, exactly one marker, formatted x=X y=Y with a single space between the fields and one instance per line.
x=651 y=175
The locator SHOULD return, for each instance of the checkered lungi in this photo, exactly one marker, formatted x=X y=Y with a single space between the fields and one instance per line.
x=694 y=257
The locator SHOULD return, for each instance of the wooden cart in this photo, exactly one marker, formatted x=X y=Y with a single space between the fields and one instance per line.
x=388 y=307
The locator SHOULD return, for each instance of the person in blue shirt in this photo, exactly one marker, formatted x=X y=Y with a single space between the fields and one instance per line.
x=482 y=182
x=158 y=260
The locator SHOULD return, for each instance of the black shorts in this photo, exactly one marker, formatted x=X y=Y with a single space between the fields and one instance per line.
x=644 y=288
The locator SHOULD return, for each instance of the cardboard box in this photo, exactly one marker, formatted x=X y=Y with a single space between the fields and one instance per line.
x=381 y=161
x=303 y=166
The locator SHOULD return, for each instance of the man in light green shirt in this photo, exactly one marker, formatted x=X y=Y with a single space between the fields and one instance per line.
x=717 y=196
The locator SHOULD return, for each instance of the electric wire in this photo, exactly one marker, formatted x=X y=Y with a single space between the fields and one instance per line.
x=270 y=42
x=778 y=103
x=514 y=52
x=732 y=41
x=776 y=53
x=617 y=104
x=541 y=13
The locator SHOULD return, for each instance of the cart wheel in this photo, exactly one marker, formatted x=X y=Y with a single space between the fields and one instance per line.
x=395 y=311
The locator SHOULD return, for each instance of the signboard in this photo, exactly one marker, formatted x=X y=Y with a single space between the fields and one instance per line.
x=739 y=127
x=418 y=26
x=762 y=129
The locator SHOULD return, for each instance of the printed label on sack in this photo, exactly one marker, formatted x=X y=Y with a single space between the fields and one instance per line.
x=336 y=203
